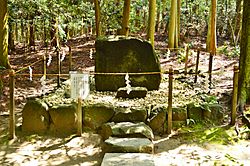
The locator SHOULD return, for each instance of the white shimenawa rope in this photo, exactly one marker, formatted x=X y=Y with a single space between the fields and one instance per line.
x=63 y=55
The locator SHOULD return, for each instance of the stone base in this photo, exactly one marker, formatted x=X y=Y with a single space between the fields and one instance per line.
x=135 y=92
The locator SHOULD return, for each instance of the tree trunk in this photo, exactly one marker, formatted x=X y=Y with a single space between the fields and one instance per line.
x=125 y=19
x=172 y=36
x=32 y=33
x=11 y=35
x=97 y=18
x=211 y=35
x=151 y=21
x=244 y=76
x=4 y=35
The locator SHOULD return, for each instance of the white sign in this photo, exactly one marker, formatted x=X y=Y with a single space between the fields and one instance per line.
x=79 y=85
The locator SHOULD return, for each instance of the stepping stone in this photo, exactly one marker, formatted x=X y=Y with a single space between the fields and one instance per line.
x=129 y=145
x=128 y=159
x=126 y=129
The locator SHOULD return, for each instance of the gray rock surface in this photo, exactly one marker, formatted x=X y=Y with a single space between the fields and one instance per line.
x=63 y=119
x=35 y=117
x=134 y=92
x=128 y=159
x=127 y=114
x=131 y=145
x=128 y=55
x=126 y=129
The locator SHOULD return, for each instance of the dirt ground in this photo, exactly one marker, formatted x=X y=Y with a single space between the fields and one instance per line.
x=174 y=149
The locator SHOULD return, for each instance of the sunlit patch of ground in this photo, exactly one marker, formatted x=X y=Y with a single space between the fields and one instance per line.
x=43 y=150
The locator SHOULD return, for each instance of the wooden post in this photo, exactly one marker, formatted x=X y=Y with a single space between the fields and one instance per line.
x=70 y=58
x=58 y=67
x=235 y=94
x=186 y=59
x=197 y=65
x=170 y=96
x=12 y=133
x=79 y=117
x=210 y=68
x=44 y=65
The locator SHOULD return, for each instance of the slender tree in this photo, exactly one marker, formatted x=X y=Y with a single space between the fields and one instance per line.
x=211 y=35
x=172 y=35
x=97 y=18
x=4 y=35
x=244 y=76
x=151 y=21
x=125 y=19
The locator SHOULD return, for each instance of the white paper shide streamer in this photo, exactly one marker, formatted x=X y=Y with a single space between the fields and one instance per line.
x=63 y=55
x=127 y=81
x=30 y=70
x=49 y=60
x=43 y=83
x=91 y=53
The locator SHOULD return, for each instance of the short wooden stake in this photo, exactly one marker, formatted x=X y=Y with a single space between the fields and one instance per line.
x=197 y=65
x=186 y=59
x=58 y=67
x=12 y=123
x=210 y=68
x=235 y=94
x=44 y=66
x=170 y=96
x=79 y=117
x=70 y=58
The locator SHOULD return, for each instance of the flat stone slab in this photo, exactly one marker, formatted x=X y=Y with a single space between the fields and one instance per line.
x=125 y=129
x=128 y=159
x=129 y=145
x=131 y=93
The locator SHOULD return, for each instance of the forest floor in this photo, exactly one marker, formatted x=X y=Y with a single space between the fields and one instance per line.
x=193 y=145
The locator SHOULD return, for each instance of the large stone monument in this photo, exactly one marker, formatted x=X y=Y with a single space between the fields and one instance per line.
x=126 y=55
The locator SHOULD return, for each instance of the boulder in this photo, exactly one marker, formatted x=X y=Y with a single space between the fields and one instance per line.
x=126 y=129
x=214 y=112
x=128 y=55
x=126 y=114
x=63 y=119
x=35 y=117
x=157 y=118
x=129 y=145
x=97 y=114
x=179 y=114
x=131 y=93
x=195 y=112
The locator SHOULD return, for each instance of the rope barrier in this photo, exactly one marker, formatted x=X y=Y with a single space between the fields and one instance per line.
x=176 y=72
x=18 y=71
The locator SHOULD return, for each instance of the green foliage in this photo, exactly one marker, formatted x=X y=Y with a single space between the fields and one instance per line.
x=230 y=52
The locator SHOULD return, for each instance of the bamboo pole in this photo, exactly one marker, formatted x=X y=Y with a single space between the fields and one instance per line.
x=12 y=133
x=170 y=96
x=197 y=65
x=79 y=117
x=235 y=94
x=186 y=59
